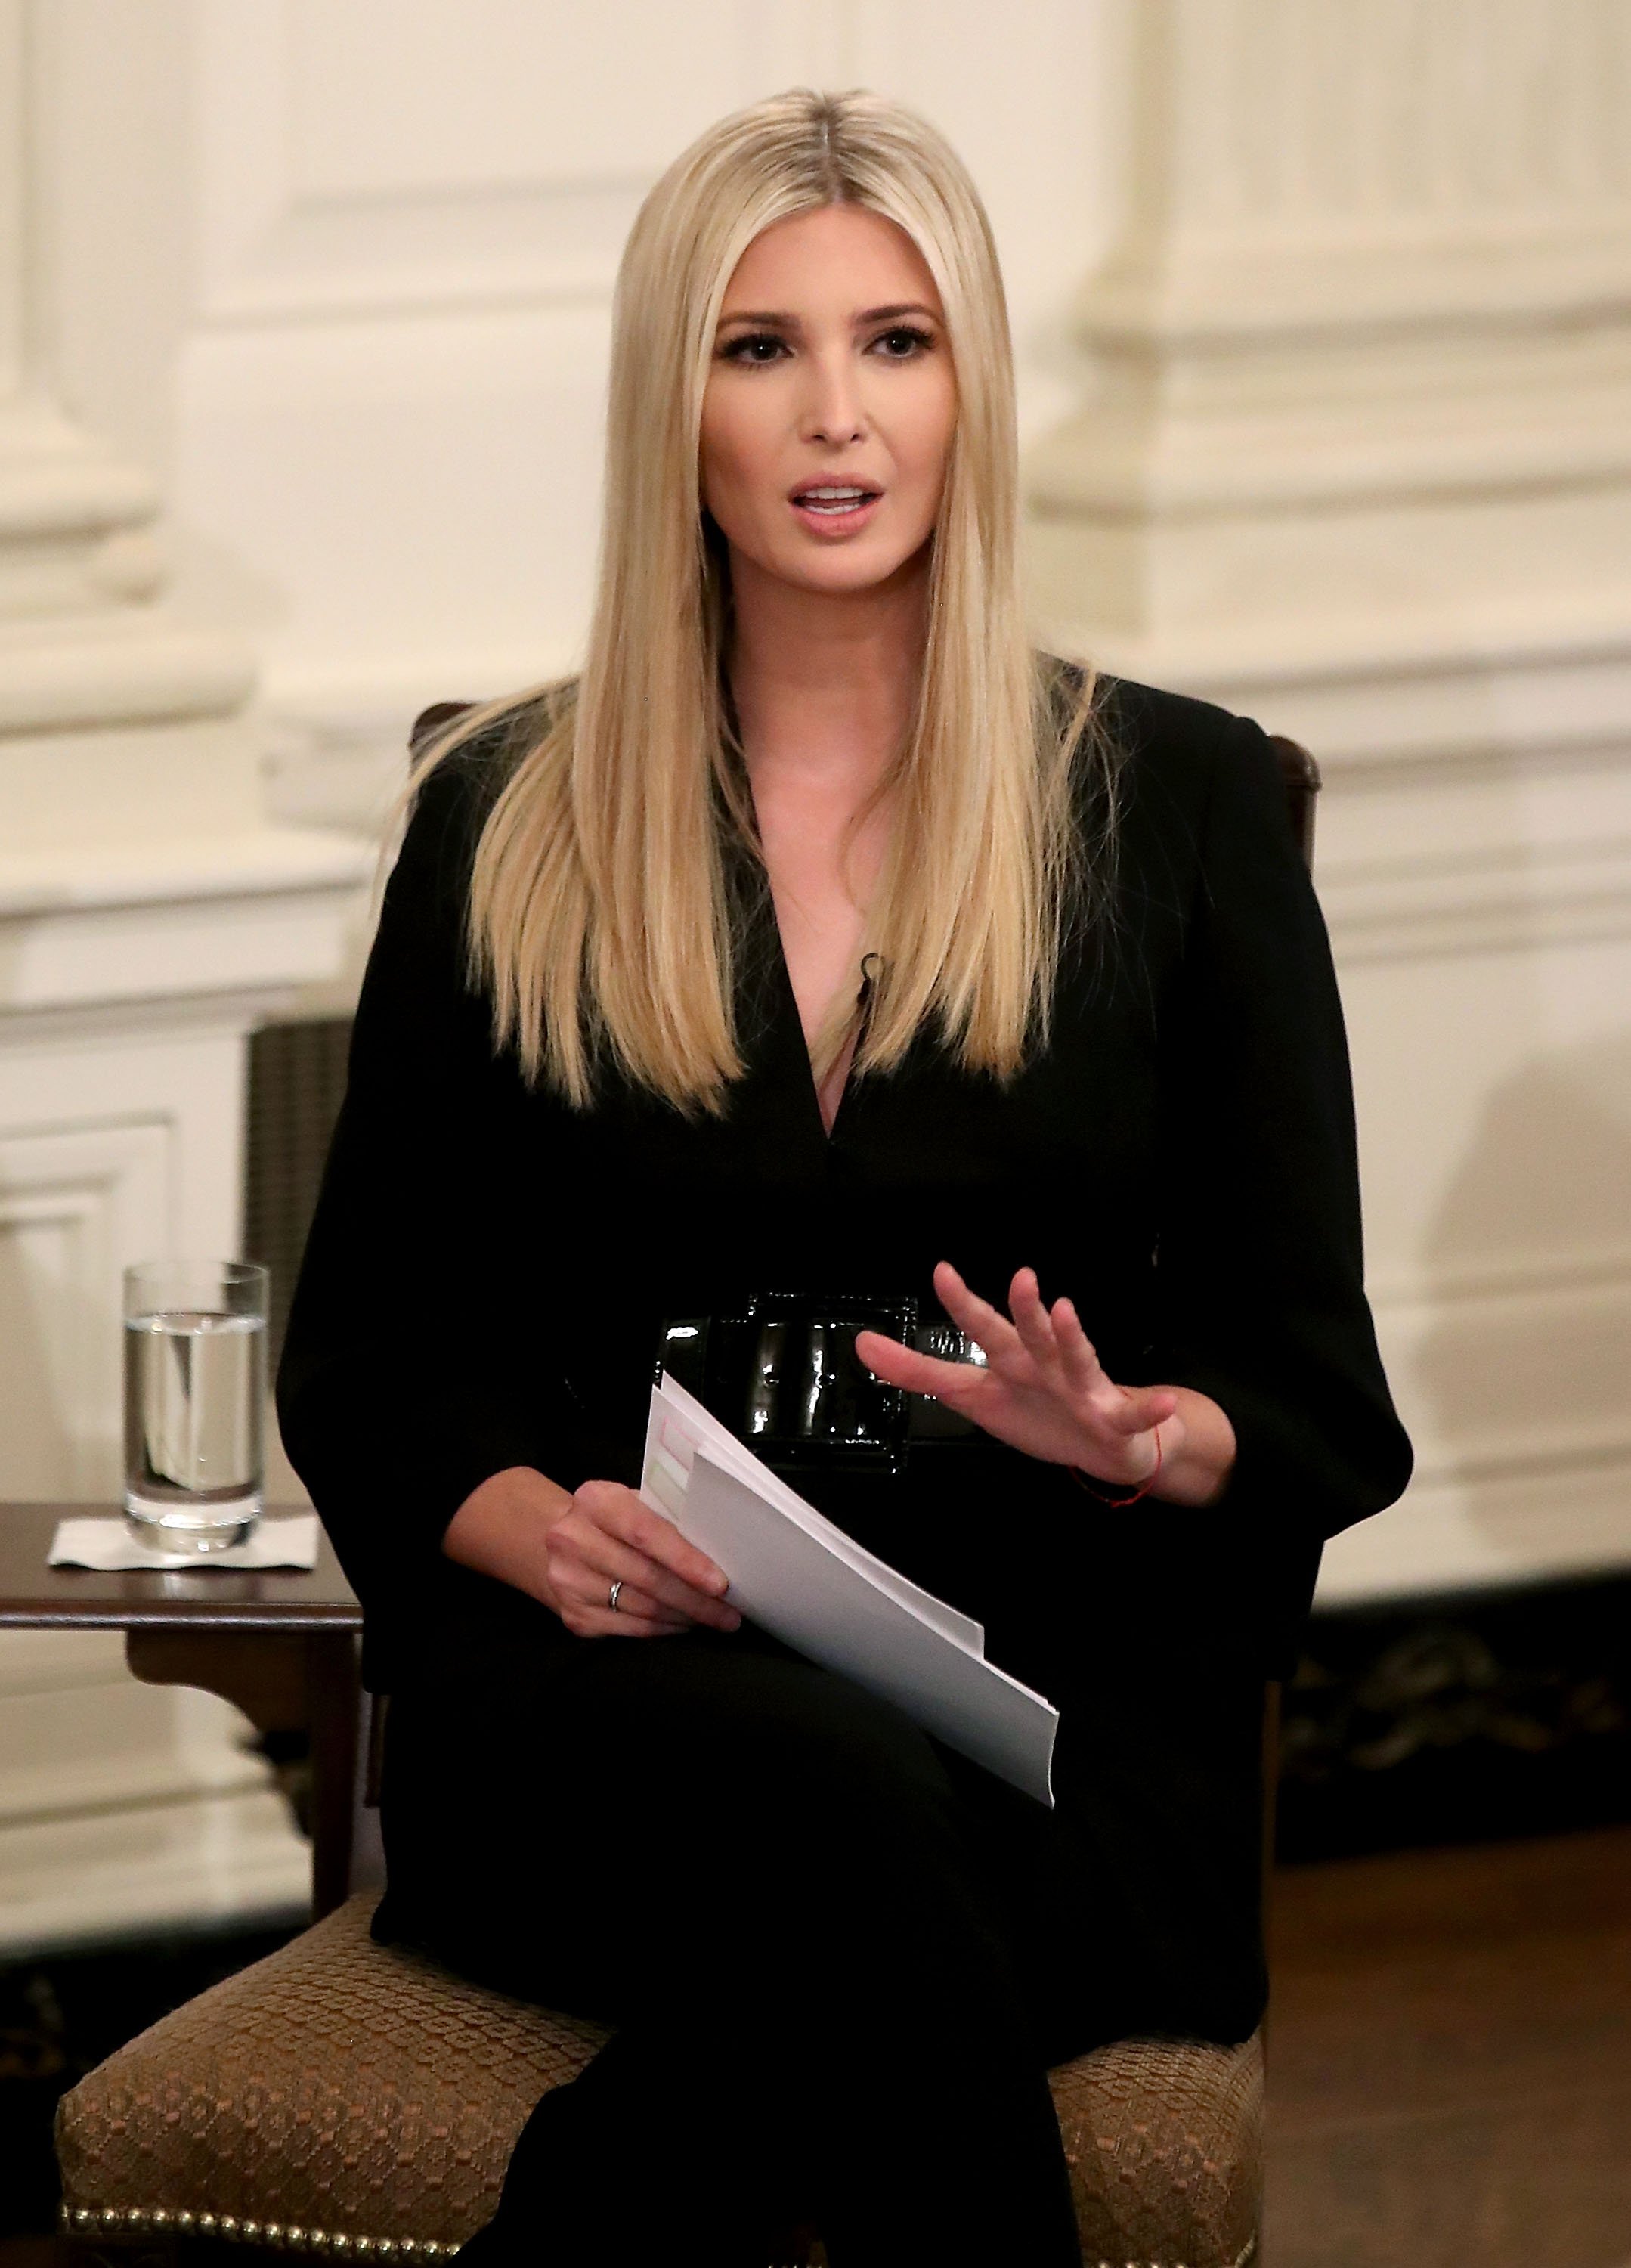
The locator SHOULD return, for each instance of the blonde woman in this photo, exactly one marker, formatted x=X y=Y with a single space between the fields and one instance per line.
x=828 y=984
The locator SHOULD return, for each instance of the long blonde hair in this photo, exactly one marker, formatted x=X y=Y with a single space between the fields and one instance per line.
x=599 y=915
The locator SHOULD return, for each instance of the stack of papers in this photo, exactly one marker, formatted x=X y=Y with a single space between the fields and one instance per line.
x=809 y=1583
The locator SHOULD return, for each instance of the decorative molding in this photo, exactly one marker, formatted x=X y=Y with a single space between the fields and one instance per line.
x=180 y=1066
x=46 y=1662
x=1406 y=581
x=1361 y=365
x=266 y=910
x=111 y=671
x=429 y=255
x=1461 y=1535
x=80 y=646
x=180 y=869
x=72 y=1772
x=1383 y=429
x=1495 y=901
x=1511 y=1375
x=284 y=245
x=1343 y=284
x=147 y=916
x=56 y=481
x=77 y=1205
x=14 y=213
x=1442 y=682
x=151 y=1868
x=1337 y=112
x=1565 y=1270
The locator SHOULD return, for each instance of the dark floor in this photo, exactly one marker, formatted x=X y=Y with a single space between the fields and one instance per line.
x=1449 y=2058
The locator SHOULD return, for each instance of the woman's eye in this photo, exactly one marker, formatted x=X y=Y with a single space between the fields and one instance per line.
x=756 y=347
x=901 y=343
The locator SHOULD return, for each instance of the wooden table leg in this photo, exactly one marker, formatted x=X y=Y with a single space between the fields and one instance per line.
x=332 y=1702
x=302 y=1682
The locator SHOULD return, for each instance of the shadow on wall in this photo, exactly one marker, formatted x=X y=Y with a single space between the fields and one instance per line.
x=1527 y=1352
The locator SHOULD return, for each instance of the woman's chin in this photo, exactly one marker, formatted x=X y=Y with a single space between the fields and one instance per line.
x=829 y=572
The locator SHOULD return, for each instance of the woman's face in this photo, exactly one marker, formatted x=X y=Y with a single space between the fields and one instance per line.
x=830 y=403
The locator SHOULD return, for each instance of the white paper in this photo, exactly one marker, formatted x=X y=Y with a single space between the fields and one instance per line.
x=680 y=1425
x=803 y=1580
x=110 y=1546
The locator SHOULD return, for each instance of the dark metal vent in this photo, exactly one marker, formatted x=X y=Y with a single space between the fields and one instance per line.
x=297 y=1079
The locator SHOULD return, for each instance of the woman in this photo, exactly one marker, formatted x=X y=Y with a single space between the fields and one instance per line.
x=820 y=936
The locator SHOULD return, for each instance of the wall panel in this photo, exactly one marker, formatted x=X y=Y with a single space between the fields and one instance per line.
x=78 y=1204
x=407 y=225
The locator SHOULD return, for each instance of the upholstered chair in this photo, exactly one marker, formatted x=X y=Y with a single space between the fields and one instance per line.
x=342 y=2099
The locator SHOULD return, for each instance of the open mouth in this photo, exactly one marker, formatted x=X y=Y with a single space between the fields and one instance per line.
x=835 y=500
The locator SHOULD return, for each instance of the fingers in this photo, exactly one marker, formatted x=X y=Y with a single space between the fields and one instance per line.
x=1042 y=1388
x=637 y=1614
x=1033 y=1321
x=609 y=1536
x=1084 y=1371
x=623 y=1515
x=918 y=1373
x=1033 y=1332
x=988 y=1328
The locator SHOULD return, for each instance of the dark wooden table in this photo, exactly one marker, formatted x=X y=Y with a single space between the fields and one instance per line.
x=281 y=1646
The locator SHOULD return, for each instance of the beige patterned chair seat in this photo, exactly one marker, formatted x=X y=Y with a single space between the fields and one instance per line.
x=348 y=2100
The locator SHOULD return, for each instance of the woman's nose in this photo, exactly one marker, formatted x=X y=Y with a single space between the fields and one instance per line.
x=833 y=410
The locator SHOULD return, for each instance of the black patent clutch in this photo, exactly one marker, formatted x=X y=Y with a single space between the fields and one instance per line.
x=781 y=1372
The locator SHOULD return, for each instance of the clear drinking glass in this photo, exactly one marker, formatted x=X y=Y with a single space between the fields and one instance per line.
x=194 y=1401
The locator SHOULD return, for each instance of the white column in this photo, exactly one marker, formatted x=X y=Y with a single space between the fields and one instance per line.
x=1353 y=454
x=1360 y=379
x=148 y=917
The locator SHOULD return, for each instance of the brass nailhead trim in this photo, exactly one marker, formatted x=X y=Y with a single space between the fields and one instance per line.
x=337 y=2245
x=1241 y=2260
x=280 y=2236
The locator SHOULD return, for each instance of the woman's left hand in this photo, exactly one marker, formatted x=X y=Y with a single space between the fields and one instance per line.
x=1043 y=1388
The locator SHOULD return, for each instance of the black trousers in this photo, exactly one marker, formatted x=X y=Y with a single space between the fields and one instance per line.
x=839 y=1959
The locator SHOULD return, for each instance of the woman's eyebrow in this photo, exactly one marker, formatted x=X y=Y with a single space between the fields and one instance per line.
x=891 y=315
x=773 y=321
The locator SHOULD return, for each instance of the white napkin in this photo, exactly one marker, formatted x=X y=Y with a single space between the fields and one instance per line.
x=110 y=1546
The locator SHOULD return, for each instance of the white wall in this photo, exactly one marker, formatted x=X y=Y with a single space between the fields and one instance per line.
x=149 y=916
x=1353 y=453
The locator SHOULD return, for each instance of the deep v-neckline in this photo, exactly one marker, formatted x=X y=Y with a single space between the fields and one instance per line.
x=788 y=1016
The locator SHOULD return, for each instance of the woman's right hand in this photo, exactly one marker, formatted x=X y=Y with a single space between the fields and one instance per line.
x=607 y=1534
x=569 y=1549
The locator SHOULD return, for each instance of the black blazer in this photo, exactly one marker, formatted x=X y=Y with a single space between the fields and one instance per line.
x=487 y=1268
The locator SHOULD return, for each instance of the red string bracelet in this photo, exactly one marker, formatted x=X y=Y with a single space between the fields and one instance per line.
x=1117 y=1501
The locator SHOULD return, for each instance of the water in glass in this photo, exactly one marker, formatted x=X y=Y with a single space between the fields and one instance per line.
x=195 y=1393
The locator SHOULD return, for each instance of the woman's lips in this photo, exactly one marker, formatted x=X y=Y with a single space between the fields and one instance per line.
x=836 y=508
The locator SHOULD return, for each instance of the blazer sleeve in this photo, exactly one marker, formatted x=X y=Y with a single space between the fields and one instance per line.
x=397 y=1394
x=1259 y=1270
